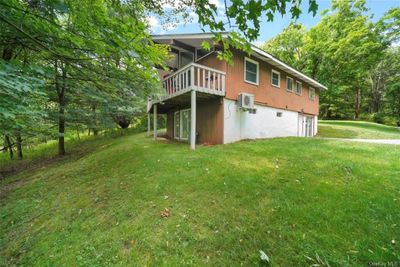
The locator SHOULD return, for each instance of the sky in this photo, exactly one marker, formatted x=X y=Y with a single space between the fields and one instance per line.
x=271 y=29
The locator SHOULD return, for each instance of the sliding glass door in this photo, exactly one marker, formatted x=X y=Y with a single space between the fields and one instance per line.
x=182 y=124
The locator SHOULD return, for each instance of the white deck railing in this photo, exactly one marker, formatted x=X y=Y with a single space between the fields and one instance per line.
x=194 y=77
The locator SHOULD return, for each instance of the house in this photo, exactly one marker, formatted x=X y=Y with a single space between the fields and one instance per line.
x=210 y=101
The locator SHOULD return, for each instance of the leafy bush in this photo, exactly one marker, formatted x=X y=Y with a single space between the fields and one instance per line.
x=377 y=117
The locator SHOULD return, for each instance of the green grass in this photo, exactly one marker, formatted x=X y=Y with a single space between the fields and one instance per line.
x=357 y=129
x=290 y=197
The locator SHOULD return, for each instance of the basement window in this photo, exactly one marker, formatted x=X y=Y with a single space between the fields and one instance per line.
x=279 y=114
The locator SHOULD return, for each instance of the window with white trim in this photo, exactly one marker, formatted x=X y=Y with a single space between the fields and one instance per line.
x=311 y=93
x=299 y=88
x=289 y=84
x=251 y=71
x=185 y=58
x=275 y=78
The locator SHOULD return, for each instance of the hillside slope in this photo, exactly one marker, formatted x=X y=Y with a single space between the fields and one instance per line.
x=302 y=201
x=357 y=129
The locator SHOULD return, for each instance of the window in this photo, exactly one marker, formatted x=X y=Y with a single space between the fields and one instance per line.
x=298 y=88
x=311 y=93
x=289 y=84
x=186 y=58
x=250 y=71
x=275 y=78
x=200 y=52
x=279 y=114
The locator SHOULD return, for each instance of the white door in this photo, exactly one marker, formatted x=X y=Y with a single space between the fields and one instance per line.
x=309 y=126
x=300 y=126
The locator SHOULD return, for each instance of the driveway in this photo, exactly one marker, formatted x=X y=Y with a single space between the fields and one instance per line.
x=375 y=141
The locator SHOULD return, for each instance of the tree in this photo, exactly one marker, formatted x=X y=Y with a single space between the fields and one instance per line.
x=288 y=46
x=98 y=44
x=339 y=51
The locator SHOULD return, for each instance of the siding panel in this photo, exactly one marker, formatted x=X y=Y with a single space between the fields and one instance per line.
x=210 y=121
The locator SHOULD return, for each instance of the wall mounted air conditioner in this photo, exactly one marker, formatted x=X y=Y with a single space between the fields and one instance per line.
x=246 y=101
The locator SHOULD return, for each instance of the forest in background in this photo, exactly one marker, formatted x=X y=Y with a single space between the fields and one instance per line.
x=72 y=67
x=356 y=58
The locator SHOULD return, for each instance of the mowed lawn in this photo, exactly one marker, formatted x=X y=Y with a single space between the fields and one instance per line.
x=357 y=129
x=303 y=201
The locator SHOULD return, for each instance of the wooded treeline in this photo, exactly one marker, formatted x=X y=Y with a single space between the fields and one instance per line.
x=81 y=65
x=356 y=58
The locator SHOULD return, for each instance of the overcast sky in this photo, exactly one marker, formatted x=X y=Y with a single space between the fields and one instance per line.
x=270 y=29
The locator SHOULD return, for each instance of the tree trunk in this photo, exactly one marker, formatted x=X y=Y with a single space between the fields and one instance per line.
x=19 y=144
x=376 y=94
x=61 y=125
x=61 y=104
x=7 y=53
x=94 y=129
x=357 y=106
x=77 y=133
x=9 y=145
x=7 y=56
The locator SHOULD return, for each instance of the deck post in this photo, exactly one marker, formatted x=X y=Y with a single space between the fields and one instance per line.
x=155 y=121
x=148 y=124
x=192 y=84
x=193 y=120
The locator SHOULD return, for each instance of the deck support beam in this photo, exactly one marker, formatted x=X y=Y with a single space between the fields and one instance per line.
x=155 y=121
x=193 y=120
x=148 y=124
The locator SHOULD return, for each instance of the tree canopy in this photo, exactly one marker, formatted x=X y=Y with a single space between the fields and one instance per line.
x=74 y=63
x=350 y=54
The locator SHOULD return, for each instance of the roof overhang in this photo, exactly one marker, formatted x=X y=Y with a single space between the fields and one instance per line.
x=261 y=54
x=184 y=42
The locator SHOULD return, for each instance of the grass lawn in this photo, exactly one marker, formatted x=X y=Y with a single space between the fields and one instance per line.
x=297 y=199
x=357 y=129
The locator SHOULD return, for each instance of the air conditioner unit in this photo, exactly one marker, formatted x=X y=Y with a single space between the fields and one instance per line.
x=246 y=101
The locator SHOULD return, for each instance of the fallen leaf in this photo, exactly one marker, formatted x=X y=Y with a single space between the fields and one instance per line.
x=165 y=213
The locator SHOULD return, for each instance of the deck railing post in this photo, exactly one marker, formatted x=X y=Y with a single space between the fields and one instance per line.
x=192 y=77
x=148 y=124
x=193 y=120
x=155 y=121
